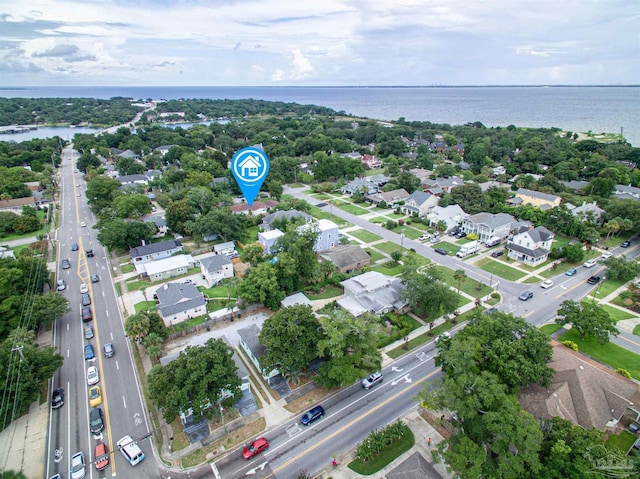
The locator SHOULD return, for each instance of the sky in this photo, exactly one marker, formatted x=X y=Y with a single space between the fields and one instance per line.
x=318 y=42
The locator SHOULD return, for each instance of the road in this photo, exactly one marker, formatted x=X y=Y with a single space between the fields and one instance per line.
x=122 y=403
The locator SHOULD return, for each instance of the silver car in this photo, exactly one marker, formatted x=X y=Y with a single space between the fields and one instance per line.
x=77 y=466
x=372 y=379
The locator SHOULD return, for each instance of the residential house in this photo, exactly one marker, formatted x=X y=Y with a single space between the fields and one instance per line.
x=421 y=173
x=359 y=185
x=352 y=154
x=128 y=180
x=227 y=248
x=268 y=238
x=216 y=268
x=499 y=170
x=166 y=268
x=623 y=192
x=178 y=302
x=452 y=215
x=438 y=185
x=129 y=154
x=328 y=234
x=419 y=203
x=257 y=208
x=278 y=216
x=413 y=467
x=575 y=184
x=164 y=149
x=346 y=258
x=583 y=391
x=531 y=247
x=371 y=162
x=254 y=350
x=160 y=223
x=5 y=252
x=297 y=299
x=14 y=205
x=391 y=198
x=488 y=226
x=589 y=211
x=374 y=293
x=154 y=251
x=536 y=198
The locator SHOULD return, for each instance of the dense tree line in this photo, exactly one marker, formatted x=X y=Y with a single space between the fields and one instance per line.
x=71 y=111
x=36 y=153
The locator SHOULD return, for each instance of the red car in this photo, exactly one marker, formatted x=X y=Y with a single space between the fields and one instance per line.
x=255 y=447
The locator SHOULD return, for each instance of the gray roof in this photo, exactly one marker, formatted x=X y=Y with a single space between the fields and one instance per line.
x=534 y=253
x=345 y=255
x=297 y=299
x=630 y=190
x=575 y=184
x=288 y=215
x=159 y=221
x=540 y=233
x=215 y=263
x=419 y=197
x=132 y=178
x=177 y=297
x=250 y=337
x=414 y=467
x=154 y=248
x=492 y=220
x=128 y=154
x=536 y=194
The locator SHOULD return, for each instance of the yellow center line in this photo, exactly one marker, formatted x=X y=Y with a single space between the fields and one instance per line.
x=356 y=420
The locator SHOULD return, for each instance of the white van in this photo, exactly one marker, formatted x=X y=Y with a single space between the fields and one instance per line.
x=130 y=450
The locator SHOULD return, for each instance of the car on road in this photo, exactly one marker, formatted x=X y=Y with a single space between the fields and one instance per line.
x=320 y=205
x=83 y=288
x=77 y=466
x=108 y=350
x=61 y=285
x=95 y=396
x=606 y=255
x=96 y=423
x=66 y=264
x=424 y=237
x=443 y=336
x=571 y=272
x=89 y=353
x=525 y=295
x=590 y=263
x=74 y=246
x=88 y=332
x=83 y=224
x=593 y=279
x=101 y=453
x=93 y=376
x=78 y=195
x=490 y=311
x=312 y=415
x=625 y=244
x=86 y=299
x=256 y=447
x=441 y=251
x=57 y=398
x=89 y=253
x=372 y=379
x=87 y=315
x=546 y=284
x=95 y=278
x=497 y=253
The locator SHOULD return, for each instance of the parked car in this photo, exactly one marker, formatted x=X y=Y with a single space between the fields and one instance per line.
x=66 y=264
x=256 y=447
x=87 y=315
x=57 y=398
x=88 y=332
x=441 y=251
x=93 y=376
x=625 y=244
x=497 y=253
x=83 y=288
x=593 y=279
x=546 y=284
x=96 y=424
x=108 y=350
x=88 y=352
x=95 y=396
x=86 y=299
x=312 y=415
x=590 y=263
x=101 y=453
x=445 y=335
x=571 y=272
x=424 y=237
x=95 y=278
x=525 y=295
x=633 y=427
x=61 y=285
x=74 y=246
x=77 y=466
x=372 y=379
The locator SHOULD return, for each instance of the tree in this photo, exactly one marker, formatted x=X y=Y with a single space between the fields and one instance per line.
x=621 y=268
x=260 y=285
x=350 y=346
x=197 y=379
x=441 y=226
x=274 y=187
x=408 y=181
x=252 y=254
x=49 y=307
x=470 y=197
x=87 y=161
x=427 y=283
x=291 y=337
x=396 y=256
x=153 y=344
x=101 y=190
x=574 y=253
x=611 y=226
x=459 y=275
x=588 y=318
x=131 y=206
x=477 y=157
x=178 y=213
x=136 y=326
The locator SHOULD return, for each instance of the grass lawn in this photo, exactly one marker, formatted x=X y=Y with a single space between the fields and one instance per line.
x=549 y=329
x=451 y=248
x=190 y=323
x=418 y=259
x=611 y=354
x=390 y=268
x=392 y=452
x=323 y=215
x=250 y=235
x=395 y=216
x=226 y=289
x=561 y=268
x=365 y=236
x=375 y=256
x=498 y=268
x=469 y=285
x=137 y=285
x=379 y=220
x=636 y=330
x=607 y=287
x=388 y=247
x=351 y=208
x=531 y=280
x=127 y=268
x=622 y=442
x=560 y=241
x=145 y=306
x=329 y=292
x=408 y=232
x=618 y=314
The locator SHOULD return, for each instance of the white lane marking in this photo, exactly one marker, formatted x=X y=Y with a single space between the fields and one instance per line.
x=124 y=401
x=67 y=326
x=117 y=365
x=67 y=353
x=111 y=333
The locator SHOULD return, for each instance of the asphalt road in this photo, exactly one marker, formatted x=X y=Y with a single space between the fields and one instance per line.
x=122 y=403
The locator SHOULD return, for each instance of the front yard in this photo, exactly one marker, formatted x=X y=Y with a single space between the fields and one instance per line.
x=500 y=269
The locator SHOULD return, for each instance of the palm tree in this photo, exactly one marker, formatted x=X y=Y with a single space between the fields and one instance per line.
x=611 y=226
x=153 y=344
x=459 y=275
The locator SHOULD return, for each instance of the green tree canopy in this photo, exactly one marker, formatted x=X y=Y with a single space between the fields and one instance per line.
x=588 y=318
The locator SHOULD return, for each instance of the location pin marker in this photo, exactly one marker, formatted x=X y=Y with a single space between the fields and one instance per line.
x=250 y=167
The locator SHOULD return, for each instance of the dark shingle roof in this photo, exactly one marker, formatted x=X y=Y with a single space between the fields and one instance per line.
x=154 y=248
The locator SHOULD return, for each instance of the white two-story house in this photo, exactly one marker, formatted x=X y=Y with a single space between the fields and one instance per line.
x=531 y=247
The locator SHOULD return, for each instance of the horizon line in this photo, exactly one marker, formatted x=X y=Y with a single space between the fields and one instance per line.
x=539 y=85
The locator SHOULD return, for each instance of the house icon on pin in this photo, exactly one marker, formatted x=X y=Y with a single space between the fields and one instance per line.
x=250 y=166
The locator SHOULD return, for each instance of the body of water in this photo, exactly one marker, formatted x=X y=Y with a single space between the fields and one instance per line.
x=582 y=109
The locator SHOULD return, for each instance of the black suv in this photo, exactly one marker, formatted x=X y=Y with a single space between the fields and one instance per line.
x=95 y=420
x=312 y=415
x=593 y=280
x=86 y=299
x=497 y=253
x=57 y=398
x=90 y=253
